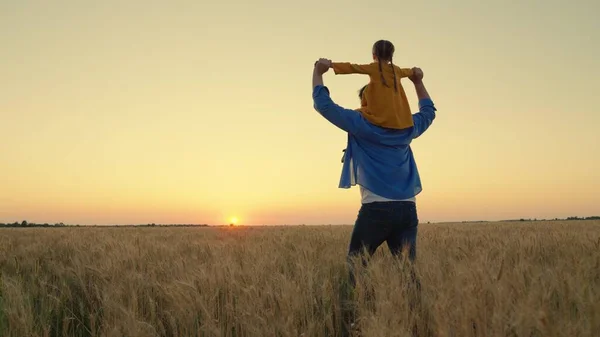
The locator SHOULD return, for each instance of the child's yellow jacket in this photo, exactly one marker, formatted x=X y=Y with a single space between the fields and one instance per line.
x=381 y=104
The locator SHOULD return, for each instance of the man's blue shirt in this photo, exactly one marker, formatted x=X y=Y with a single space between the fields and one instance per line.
x=379 y=159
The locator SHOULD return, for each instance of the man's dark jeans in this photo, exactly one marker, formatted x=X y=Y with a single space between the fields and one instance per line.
x=394 y=222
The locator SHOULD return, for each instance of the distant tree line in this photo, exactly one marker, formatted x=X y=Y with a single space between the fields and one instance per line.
x=557 y=219
x=165 y=225
x=584 y=218
x=31 y=224
x=26 y=224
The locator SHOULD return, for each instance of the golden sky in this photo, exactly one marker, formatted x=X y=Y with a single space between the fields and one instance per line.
x=194 y=112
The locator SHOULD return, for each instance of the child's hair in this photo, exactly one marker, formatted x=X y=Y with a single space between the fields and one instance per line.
x=384 y=51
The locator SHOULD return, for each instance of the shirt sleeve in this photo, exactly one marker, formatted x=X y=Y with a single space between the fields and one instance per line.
x=348 y=120
x=406 y=72
x=423 y=119
x=343 y=68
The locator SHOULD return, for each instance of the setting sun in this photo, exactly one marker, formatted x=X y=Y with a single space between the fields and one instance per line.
x=234 y=220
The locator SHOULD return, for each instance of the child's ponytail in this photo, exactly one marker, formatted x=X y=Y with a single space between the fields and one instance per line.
x=393 y=72
x=382 y=77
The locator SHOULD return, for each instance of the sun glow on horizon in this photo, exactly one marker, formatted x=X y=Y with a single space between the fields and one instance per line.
x=234 y=220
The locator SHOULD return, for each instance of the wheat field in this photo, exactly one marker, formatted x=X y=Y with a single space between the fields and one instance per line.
x=487 y=279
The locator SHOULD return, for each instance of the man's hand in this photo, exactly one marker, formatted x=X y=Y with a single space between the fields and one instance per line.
x=417 y=75
x=322 y=66
x=417 y=79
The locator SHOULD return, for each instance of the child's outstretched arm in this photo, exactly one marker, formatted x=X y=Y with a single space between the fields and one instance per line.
x=406 y=72
x=343 y=68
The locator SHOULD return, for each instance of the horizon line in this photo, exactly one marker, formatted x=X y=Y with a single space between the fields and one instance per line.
x=25 y=223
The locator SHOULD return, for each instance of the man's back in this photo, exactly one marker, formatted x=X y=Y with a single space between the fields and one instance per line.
x=377 y=158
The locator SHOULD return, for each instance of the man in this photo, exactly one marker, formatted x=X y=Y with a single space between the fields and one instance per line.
x=381 y=162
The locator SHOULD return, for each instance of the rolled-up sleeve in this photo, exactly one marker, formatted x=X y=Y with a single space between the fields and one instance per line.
x=348 y=120
x=423 y=119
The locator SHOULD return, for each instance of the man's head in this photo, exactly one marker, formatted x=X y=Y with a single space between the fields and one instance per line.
x=362 y=96
x=361 y=92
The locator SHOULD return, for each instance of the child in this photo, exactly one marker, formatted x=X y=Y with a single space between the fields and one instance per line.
x=382 y=103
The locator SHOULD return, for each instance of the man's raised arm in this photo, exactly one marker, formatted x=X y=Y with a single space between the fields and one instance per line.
x=417 y=79
x=345 y=119
x=321 y=67
x=423 y=119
